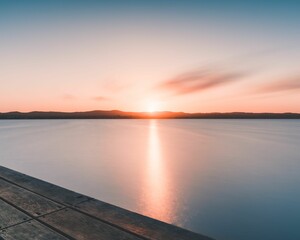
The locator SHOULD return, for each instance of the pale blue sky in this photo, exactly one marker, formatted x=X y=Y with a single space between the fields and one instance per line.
x=83 y=55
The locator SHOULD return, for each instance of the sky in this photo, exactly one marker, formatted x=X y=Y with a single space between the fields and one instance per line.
x=191 y=56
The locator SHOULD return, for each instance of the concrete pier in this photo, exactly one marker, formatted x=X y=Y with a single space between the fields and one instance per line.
x=34 y=209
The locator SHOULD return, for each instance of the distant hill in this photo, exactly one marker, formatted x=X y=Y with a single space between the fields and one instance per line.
x=116 y=114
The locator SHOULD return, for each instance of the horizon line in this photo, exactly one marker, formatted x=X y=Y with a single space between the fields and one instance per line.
x=144 y=112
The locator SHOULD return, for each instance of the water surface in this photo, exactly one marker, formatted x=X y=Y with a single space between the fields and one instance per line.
x=229 y=179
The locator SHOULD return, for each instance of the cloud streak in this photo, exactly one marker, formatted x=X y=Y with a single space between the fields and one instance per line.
x=198 y=81
x=287 y=84
x=69 y=97
x=100 y=98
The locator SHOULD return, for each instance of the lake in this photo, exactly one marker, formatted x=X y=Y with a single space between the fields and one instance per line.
x=228 y=179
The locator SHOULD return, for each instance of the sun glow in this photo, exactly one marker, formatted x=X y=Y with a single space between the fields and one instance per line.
x=153 y=106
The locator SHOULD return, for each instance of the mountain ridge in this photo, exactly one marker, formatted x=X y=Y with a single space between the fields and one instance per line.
x=117 y=114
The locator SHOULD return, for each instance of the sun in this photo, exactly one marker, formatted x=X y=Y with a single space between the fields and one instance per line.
x=153 y=106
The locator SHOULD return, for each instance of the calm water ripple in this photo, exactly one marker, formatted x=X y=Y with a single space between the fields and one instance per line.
x=229 y=179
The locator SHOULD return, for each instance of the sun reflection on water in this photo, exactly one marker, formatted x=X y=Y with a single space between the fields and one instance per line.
x=157 y=200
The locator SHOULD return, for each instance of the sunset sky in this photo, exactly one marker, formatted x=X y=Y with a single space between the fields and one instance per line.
x=191 y=56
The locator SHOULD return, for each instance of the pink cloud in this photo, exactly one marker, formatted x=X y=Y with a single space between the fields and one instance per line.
x=198 y=81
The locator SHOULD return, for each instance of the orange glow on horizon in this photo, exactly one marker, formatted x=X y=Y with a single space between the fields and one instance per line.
x=153 y=106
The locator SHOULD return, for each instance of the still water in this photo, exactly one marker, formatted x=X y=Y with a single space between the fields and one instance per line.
x=228 y=179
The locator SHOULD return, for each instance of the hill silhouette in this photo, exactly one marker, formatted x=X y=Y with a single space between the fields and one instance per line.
x=116 y=114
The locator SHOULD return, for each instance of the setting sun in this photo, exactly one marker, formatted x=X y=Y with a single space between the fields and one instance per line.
x=153 y=106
